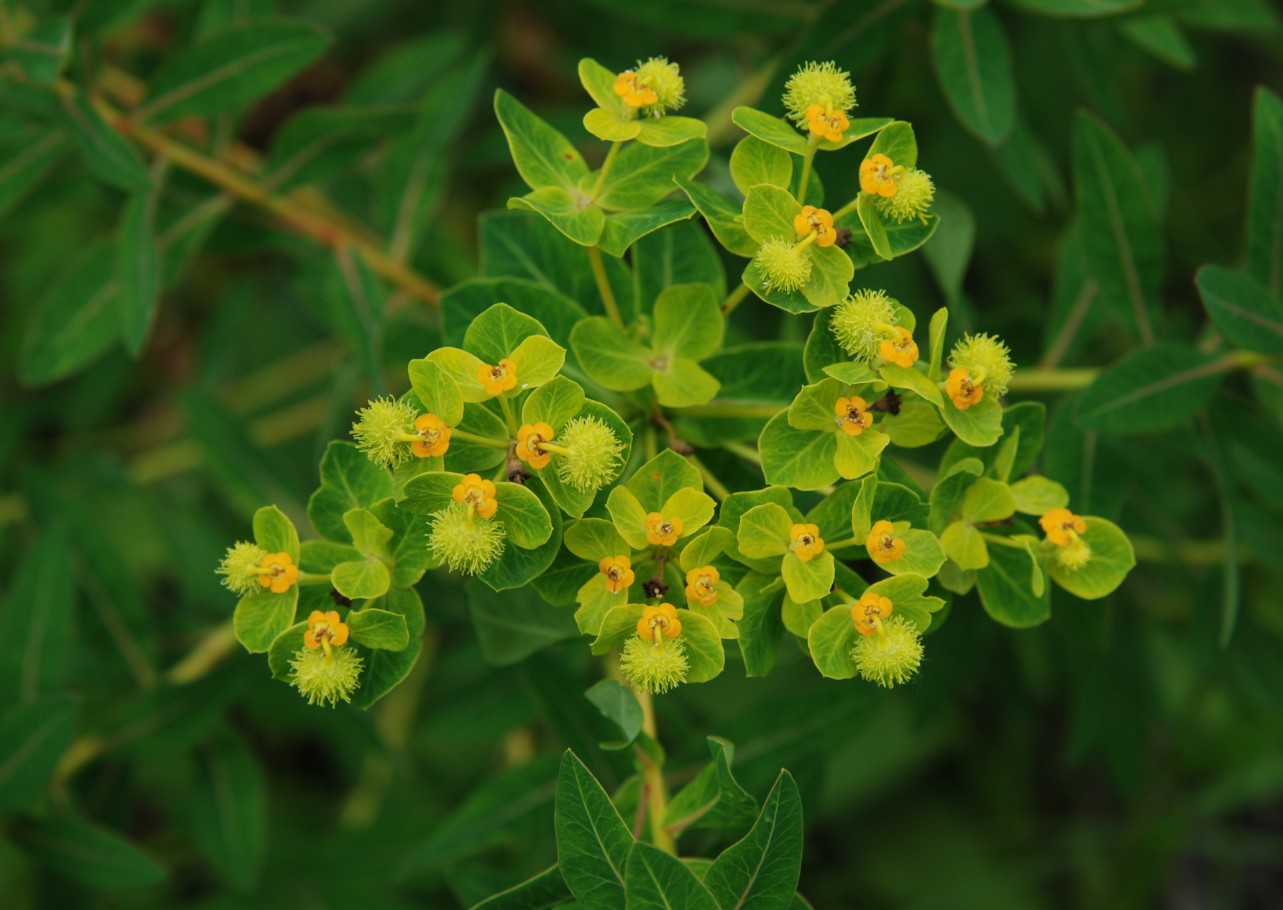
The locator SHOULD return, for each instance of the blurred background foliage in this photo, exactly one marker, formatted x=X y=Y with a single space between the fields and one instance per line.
x=1118 y=756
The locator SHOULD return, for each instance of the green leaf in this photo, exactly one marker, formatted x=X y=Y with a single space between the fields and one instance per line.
x=807 y=579
x=830 y=640
x=229 y=810
x=361 y=579
x=688 y=322
x=385 y=670
x=704 y=651
x=368 y=534
x=609 y=356
x=656 y=880
x=540 y=892
x=723 y=217
x=599 y=83
x=714 y=799
x=619 y=705
x=37 y=618
x=594 y=539
x=512 y=625
x=318 y=142
x=662 y=476
x=764 y=531
x=543 y=157
x=137 y=270
x=694 y=507
x=619 y=623
x=382 y=629
x=663 y=132
x=1038 y=495
x=683 y=383
x=907 y=594
x=1111 y=559
x=583 y=224
x=33 y=737
x=1242 y=309
x=1162 y=37
x=75 y=321
x=973 y=65
x=858 y=455
x=923 y=554
x=771 y=130
x=29 y=157
x=874 y=227
x=436 y=390
x=275 y=533
x=1006 y=587
x=1265 y=194
x=979 y=425
x=917 y=424
x=87 y=854
x=761 y=871
x=800 y=459
x=524 y=517
x=1080 y=8
x=965 y=545
x=623 y=229
x=642 y=175
x=831 y=274
x=554 y=403
x=231 y=69
x=754 y=161
x=611 y=125
x=987 y=500
x=261 y=616
x=348 y=481
x=593 y=842
x=1119 y=225
x=898 y=143
x=41 y=53
x=110 y=158
x=1156 y=388
x=498 y=331
x=912 y=380
x=769 y=212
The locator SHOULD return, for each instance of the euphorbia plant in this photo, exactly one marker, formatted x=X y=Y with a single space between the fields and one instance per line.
x=570 y=445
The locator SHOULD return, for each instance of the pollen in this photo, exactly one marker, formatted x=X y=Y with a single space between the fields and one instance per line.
x=963 y=390
x=497 y=379
x=529 y=439
x=701 y=585
x=816 y=221
x=325 y=677
x=880 y=176
x=477 y=494
x=1062 y=526
x=381 y=431
x=987 y=359
x=820 y=85
x=883 y=545
x=892 y=656
x=654 y=667
x=784 y=267
x=805 y=541
x=869 y=612
x=278 y=572
x=618 y=572
x=900 y=348
x=912 y=200
x=434 y=436
x=629 y=88
x=661 y=531
x=590 y=454
x=240 y=566
x=862 y=321
x=464 y=542
x=852 y=415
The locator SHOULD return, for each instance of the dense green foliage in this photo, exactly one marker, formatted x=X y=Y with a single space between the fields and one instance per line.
x=227 y=230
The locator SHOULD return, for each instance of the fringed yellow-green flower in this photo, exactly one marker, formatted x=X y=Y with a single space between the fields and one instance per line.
x=654 y=666
x=463 y=541
x=664 y=78
x=988 y=361
x=241 y=567
x=913 y=198
x=382 y=430
x=822 y=84
x=784 y=266
x=862 y=321
x=326 y=676
x=891 y=655
x=589 y=453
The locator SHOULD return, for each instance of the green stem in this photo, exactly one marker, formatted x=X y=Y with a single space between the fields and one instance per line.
x=653 y=784
x=508 y=416
x=313 y=578
x=843 y=544
x=1057 y=380
x=733 y=409
x=846 y=209
x=735 y=298
x=603 y=286
x=475 y=439
x=715 y=486
x=746 y=452
x=605 y=169
x=812 y=143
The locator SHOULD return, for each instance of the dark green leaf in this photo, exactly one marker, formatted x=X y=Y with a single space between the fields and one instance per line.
x=593 y=843
x=33 y=737
x=761 y=871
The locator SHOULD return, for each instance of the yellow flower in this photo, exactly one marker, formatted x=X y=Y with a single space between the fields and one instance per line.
x=279 y=572
x=900 y=349
x=633 y=93
x=498 y=379
x=826 y=122
x=853 y=415
x=701 y=585
x=806 y=542
x=618 y=571
x=883 y=545
x=659 y=622
x=1062 y=526
x=325 y=630
x=661 y=531
x=529 y=438
x=869 y=611
x=818 y=221
x=434 y=436
x=478 y=494
x=963 y=390
x=879 y=176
